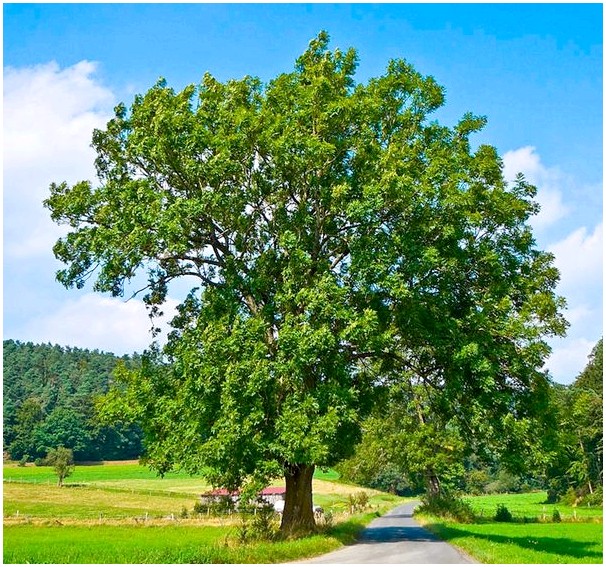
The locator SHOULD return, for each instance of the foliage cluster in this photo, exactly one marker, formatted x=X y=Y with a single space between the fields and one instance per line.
x=48 y=401
x=563 y=453
x=62 y=461
x=575 y=497
x=577 y=465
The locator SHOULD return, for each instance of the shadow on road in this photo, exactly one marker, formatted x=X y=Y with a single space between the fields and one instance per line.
x=398 y=515
x=392 y=534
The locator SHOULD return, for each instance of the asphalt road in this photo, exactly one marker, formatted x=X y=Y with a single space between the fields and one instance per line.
x=395 y=538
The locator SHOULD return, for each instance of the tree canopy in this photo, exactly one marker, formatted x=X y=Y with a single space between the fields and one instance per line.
x=336 y=240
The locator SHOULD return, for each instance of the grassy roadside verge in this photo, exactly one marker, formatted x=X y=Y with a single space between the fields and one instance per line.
x=532 y=537
x=522 y=543
x=97 y=543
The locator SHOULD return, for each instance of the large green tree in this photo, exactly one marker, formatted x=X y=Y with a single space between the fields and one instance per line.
x=335 y=240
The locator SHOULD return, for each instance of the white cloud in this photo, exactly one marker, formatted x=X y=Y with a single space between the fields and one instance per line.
x=49 y=117
x=96 y=322
x=569 y=358
x=579 y=258
x=547 y=180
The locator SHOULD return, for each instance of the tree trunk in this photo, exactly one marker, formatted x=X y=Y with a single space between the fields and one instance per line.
x=298 y=515
x=433 y=484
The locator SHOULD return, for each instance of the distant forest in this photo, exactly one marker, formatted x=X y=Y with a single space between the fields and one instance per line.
x=48 y=401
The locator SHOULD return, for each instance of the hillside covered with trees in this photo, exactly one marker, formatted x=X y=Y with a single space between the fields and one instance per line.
x=48 y=399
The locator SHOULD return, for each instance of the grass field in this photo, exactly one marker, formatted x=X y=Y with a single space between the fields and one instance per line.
x=123 y=513
x=129 y=476
x=525 y=543
x=158 y=544
x=532 y=538
x=531 y=505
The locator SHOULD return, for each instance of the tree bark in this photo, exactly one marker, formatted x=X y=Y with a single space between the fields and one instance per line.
x=298 y=515
x=433 y=484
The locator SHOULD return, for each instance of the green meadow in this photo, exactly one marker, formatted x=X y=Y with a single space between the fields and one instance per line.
x=124 y=513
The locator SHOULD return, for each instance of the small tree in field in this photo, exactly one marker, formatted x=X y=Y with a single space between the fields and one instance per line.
x=336 y=240
x=62 y=460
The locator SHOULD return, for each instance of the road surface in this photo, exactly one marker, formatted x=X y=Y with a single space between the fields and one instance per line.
x=395 y=538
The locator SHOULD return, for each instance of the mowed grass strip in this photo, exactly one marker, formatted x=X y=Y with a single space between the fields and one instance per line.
x=537 y=543
x=532 y=537
x=92 y=521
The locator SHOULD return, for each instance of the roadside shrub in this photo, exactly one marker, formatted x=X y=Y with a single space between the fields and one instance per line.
x=362 y=500
x=264 y=524
x=448 y=507
x=260 y=524
x=556 y=517
x=23 y=460
x=358 y=502
x=570 y=497
x=476 y=482
x=595 y=499
x=503 y=514
x=328 y=519
x=552 y=496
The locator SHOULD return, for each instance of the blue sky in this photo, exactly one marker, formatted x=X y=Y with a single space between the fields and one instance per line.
x=535 y=70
